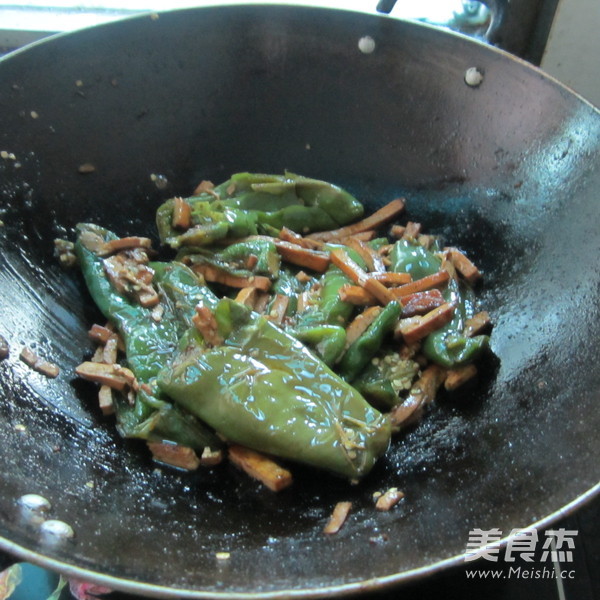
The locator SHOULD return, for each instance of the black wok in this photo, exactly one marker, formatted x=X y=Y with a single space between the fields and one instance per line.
x=507 y=170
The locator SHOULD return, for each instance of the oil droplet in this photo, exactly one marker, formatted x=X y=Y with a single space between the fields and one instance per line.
x=160 y=181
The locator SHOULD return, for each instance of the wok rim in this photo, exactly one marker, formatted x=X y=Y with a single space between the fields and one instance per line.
x=280 y=4
x=335 y=591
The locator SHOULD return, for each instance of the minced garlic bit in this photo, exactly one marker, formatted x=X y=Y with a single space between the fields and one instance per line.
x=34 y=114
x=65 y=251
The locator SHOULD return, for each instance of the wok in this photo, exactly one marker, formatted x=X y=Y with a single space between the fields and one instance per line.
x=507 y=170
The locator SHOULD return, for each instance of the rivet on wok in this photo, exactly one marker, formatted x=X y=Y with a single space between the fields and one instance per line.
x=473 y=77
x=34 y=503
x=54 y=529
x=366 y=44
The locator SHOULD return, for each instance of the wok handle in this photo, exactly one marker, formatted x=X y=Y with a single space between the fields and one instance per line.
x=495 y=32
x=496 y=29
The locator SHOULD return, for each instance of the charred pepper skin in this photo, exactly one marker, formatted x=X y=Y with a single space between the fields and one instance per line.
x=149 y=345
x=448 y=346
x=265 y=390
x=248 y=204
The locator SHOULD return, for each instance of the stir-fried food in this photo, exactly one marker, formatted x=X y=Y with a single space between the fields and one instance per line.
x=287 y=327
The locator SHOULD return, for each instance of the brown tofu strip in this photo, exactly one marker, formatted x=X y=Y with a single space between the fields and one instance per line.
x=421 y=303
x=361 y=323
x=464 y=265
x=215 y=275
x=422 y=393
x=392 y=279
x=204 y=187
x=101 y=334
x=182 y=214
x=376 y=220
x=397 y=231
x=30 y=358
x=361 y=236
x=457 y=377
x=341 y=260
x=109 y=352
x=412 y=230
x=262 y=300
x=105 y=400
x=371 y=257
x=210 y=458
x=303 y=257
x=174 y=455
x=278 y=308
x=247 y=296
x=389 y=499
x=126 y=243
x=114 y=376
x=416 y=328
x=287 y=235
x=354 y=294
x=260 y=467
x=338 y=517
x=420 y=285
x=477 y=323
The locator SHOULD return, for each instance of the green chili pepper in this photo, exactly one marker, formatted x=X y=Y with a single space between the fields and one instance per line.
x=150 y=345
x=328 y=341
x=233 y=259
x=385 y=378
x=250 y=203
x=323 y=327
x=412 y=258
x=447 y=346
x=263 y=389
x=362 y=350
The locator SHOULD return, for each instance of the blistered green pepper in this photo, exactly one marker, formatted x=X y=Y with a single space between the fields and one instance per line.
x=328 y=341
x=234 y=258
x=263 y=389
x=362 y=350
x=324 y=325
x=447 y=346
x=150 y=344
x=249 y=203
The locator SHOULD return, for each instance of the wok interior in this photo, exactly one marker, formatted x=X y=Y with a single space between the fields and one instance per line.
x=507 y=171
